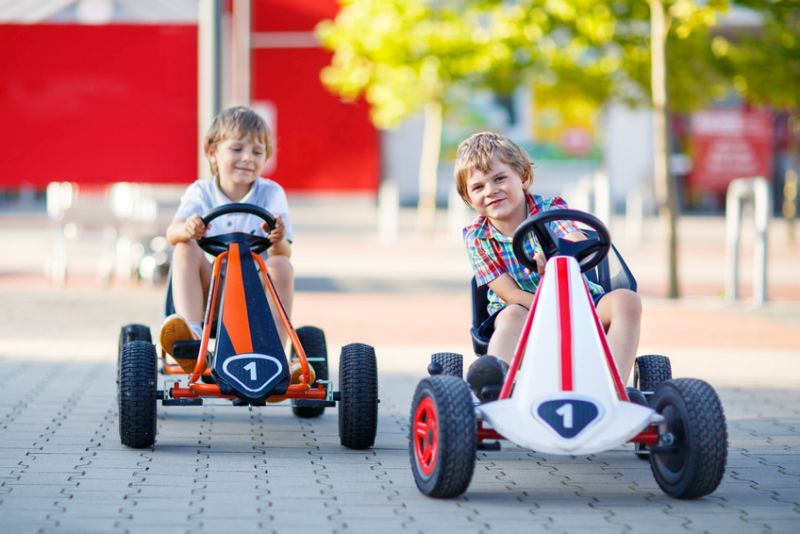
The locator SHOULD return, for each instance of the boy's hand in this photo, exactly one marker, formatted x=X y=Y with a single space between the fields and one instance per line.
x=278 y=233
x=538 y=257
x=195 y=227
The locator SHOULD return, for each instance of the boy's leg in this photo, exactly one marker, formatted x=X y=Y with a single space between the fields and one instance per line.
x=282 y=274
x=507 y=329
x=620 y=311
x=191 y=277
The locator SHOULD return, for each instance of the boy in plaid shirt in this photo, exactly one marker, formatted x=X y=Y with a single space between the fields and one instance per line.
x=493 y=175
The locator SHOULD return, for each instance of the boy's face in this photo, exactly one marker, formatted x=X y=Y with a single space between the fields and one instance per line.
x=498 y=193
x=239 y=161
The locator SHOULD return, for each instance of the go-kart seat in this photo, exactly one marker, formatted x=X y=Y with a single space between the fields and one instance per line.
x=612 y=273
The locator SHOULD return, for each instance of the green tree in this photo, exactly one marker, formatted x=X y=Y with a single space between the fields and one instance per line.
x=404 y=56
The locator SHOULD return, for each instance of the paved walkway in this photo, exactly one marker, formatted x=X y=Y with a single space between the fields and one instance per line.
x=220 y=468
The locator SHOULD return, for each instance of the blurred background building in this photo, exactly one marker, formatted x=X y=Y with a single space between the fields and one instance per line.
x=95 y=92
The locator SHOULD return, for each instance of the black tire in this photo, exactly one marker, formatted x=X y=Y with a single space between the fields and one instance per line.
x=358 y=396
x=313 y=341
x=649 y=371
x=452 y=364
x=128 y=333
x=137 y=395
x=443 y=436
x=693 y=464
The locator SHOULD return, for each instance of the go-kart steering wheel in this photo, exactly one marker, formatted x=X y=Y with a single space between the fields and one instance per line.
x=218 y=244
x=589 y=252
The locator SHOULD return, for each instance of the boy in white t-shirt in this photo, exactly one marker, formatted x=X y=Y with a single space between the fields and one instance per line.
x=237 y=146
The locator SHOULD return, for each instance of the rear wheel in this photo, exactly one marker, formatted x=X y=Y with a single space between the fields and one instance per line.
x=443 y=440
x=689 y=460
x=358 y=396
x=452 y=364
x=649 y=371
x=137 y=394
x=313 y=342
x=128 y=333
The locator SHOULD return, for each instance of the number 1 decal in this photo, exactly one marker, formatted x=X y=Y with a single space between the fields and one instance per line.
x=252 y=368
x=564 y=411
x=567 y=417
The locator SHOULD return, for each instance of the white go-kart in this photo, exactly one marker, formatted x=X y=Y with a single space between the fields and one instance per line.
x=562 y=393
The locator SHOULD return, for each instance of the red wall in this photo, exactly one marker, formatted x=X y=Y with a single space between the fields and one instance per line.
x=323 y=143
x=97 y=104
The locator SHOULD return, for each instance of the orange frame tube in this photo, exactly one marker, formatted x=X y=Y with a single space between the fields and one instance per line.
x=195 y=389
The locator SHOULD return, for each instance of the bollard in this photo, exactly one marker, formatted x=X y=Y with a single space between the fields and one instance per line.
x=741 y=192
x=634 y=217
x=591 y=193
x=602 y=197
x=388 y=211
x=458 y=215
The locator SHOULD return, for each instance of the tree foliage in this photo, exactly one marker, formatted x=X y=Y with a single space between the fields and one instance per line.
x=763 y=64
x=400 y=54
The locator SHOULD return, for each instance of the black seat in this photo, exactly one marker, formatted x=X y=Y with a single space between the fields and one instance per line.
x=612 y=273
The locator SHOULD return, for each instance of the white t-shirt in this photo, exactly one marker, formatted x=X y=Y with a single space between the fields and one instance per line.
x=204 y=195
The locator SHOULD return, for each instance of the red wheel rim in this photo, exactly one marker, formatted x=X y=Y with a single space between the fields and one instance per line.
x=426 y=436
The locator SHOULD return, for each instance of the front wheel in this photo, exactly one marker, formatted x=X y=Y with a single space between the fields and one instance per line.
x=443 y=440
x=137 y=394
x=358 y=396
x=689 y=460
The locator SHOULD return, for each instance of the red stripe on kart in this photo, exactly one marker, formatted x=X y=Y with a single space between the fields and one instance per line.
x=564 y=323
x=523 y=342
x=612 y=365
x=234 y=309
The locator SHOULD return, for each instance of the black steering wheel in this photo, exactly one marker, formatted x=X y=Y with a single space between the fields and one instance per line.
x=218 y=244
x=589 y=252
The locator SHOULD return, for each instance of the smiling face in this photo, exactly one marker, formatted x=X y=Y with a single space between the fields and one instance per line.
x=499 y=194
x=239 y=162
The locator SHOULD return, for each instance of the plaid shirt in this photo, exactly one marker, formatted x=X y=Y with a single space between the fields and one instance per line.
x=491 y=253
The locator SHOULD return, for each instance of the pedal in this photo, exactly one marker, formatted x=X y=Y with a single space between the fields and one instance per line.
x=182 y=402
x=188 y=348
x=494 y=446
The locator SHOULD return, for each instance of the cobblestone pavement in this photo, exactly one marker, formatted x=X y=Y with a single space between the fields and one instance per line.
x=228 y=469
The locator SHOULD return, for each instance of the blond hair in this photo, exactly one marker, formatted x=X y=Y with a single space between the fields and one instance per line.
x=477 y=152
x=237 y=122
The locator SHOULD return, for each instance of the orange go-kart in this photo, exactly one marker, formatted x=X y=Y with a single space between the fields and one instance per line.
x=240 y=356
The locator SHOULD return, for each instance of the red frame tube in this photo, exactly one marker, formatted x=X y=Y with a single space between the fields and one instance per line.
x=523 y=341
x=487 y=433
x=648 y=436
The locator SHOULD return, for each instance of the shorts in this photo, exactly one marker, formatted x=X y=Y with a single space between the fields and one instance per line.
x=486 y=329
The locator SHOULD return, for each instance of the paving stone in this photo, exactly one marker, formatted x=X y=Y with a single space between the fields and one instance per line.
x=220 y=468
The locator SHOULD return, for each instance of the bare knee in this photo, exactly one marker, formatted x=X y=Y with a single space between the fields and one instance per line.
x=511 y=318
x=280 y=268
x=187 y=253
x=626 y=305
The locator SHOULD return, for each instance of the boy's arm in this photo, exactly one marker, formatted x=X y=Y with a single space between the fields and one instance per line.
x=277 y=236
x=280 y=248
x=507 y=289
x=182 y=230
